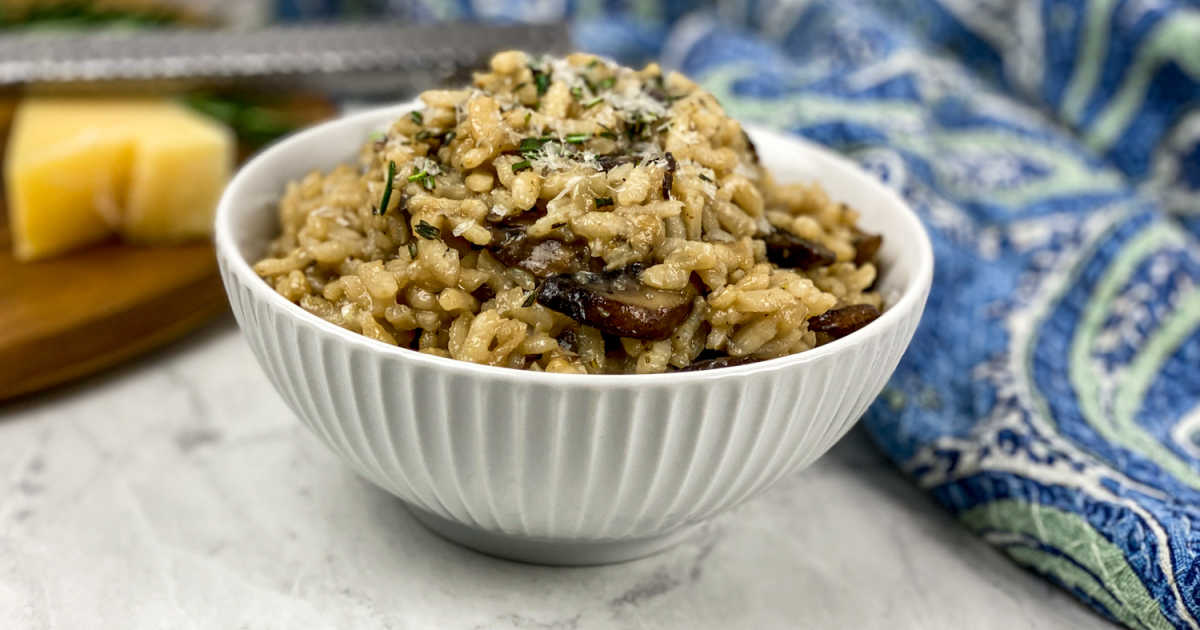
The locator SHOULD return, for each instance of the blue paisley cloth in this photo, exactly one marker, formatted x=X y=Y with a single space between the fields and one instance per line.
x=1051 y=397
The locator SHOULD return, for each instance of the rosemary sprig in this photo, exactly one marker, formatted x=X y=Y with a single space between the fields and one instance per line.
x=387 y=191
x=532 y=297
x=578 y=138
x=520 y=166
x=412 y=249
x=533 y=144
x=424 y=177
x=417 y=117
x=542 y=81
x=427 y=231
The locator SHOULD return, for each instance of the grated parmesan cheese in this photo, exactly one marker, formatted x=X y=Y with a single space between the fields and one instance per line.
x=429 y=166
x=633 y=97
x=555 y=156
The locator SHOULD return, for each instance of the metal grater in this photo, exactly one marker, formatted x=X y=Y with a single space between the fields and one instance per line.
x=346 y=60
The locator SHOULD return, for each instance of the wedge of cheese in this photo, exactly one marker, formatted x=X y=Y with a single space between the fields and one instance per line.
x=79 y=169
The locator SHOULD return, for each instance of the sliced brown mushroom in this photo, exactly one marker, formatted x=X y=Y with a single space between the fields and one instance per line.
x=617 y=303
x=542 y=258
x=612 y=160
x=483 y=293
x=793 y=252
x=719 y=362
x=668 y=176
x=840 y=322
x=865 y=247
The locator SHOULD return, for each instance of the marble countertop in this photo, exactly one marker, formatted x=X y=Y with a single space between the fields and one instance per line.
x=178 y=492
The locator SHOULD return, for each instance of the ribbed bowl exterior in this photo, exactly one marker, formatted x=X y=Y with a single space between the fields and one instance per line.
x=547 y=457
x=539 y=460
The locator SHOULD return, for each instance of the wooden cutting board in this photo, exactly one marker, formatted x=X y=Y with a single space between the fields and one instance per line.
x=67 y=317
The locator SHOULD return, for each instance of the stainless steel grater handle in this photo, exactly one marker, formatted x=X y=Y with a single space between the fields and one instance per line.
x=347 y=60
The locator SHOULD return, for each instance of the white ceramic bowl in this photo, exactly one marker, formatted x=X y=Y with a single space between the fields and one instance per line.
x=563 y=468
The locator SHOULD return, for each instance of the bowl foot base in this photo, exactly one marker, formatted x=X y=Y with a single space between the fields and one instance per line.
x=550 y=552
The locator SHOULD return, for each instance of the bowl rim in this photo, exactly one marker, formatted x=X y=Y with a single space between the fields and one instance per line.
x=911 y=299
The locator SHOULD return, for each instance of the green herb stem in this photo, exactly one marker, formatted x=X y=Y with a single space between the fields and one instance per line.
x=387 y=190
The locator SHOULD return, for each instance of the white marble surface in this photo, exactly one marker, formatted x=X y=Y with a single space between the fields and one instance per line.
x=178 y=492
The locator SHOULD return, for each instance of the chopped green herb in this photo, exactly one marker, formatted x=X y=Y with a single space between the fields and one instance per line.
x=607 y=133
x=594 y=102
x=606 y=83
x=533 y=144
x=417 y=117
x=387 y=190
x=577 y=92
x=412 y=249
x=423 y=134
x=603 y=201
x=531 y=298
x=578 y=138
x=377 y=136
x=590 y=86
x=517 y=87
x=705 y=178
x=449 y=137
x=528 y=115
x=542 y=81
x=427 y=231
x=424 y=177
x=593 y=63
x=520 y=166
x=639 y=125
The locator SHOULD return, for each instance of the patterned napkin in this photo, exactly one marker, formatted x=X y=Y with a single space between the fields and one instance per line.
x=1051 y=397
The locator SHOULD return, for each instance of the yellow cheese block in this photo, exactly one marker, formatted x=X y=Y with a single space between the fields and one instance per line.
x=79 y=169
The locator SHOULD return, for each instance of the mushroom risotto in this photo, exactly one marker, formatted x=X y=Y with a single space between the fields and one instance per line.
x=572 y=215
